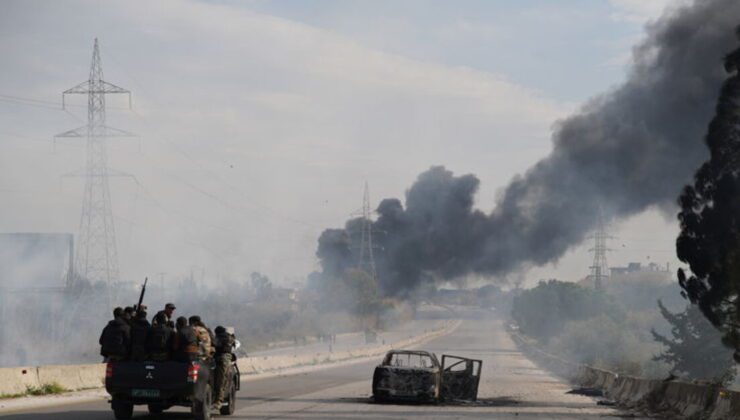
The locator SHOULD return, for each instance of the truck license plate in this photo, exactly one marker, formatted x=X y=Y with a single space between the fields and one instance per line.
x=145 y=393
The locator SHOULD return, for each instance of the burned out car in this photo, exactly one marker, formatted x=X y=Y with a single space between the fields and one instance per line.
x=415 y=375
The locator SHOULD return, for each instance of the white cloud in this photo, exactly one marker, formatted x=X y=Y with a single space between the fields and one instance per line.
x=639 y=11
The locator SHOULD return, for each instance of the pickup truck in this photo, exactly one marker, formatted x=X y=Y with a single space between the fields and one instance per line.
x=162 y=385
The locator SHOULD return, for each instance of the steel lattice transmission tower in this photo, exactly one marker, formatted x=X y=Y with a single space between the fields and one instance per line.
x=366 y=260
x=97 y=256
x=600 y=267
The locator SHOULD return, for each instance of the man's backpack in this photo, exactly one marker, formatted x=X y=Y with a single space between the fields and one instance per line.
x=187 y=337
x=224 y=343
x=113 y=340
x=157 y=339
x=139 y=332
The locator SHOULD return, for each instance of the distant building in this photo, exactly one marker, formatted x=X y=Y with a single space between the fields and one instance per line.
x=636 y=267
x=634 y=271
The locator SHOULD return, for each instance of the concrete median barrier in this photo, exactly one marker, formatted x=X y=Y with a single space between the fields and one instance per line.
x=675 y=399
x=73 y=377
x=17 y=380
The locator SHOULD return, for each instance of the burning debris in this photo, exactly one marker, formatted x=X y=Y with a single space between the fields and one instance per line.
x=419 y=376
x=710 y=228
x=630 y=149
x=589 y=392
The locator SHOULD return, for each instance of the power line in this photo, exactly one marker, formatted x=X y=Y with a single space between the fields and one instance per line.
x=267 y=210
x=31 y=102
x=169 y=212
x=41 y=103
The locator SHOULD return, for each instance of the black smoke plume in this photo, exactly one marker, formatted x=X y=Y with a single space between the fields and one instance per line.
x=710 y=217
x=627 y=150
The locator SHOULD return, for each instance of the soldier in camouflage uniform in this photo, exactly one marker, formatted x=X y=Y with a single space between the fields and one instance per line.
x=225 y=342
x=204 y=337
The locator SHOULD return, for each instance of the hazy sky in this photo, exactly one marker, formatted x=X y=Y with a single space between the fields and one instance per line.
x=260 y=121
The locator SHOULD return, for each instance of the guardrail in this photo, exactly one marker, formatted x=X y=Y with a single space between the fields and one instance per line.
x=17 y=380
x=675 y=398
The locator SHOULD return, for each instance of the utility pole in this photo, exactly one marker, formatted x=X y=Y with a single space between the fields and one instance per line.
x=600 y=267
x=97 y=256
x=366 y=260
x=161 y=280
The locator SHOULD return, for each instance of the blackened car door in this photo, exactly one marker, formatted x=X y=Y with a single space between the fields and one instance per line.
x=460 y=378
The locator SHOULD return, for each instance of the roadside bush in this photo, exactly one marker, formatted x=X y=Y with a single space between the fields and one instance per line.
x=625 y=347
x=46 y=389
x=627 y=329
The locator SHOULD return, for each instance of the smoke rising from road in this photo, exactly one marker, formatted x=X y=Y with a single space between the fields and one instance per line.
x=625 y=151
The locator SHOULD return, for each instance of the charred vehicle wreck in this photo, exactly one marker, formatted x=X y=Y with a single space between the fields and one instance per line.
x=413 y=375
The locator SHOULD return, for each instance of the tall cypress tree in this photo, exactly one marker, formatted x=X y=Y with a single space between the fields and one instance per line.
x=710 y=218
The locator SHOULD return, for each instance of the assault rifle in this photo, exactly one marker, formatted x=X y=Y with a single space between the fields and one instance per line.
x=141 y=296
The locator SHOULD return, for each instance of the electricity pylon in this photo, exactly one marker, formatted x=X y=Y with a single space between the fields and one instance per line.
x=600 y=267
x=97 y=256
x=366 y=260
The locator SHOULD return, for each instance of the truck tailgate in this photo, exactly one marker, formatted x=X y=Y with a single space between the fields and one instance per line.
x=149 y=375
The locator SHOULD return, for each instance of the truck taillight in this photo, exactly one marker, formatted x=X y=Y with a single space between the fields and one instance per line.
x=193 y=373
x=109 y=370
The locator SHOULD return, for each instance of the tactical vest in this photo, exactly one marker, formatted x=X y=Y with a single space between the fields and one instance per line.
x=188 y=341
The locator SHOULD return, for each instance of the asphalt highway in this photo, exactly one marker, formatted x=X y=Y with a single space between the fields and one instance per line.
x=511 y=387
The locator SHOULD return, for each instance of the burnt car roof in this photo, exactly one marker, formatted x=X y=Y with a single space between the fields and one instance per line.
x=420 y=353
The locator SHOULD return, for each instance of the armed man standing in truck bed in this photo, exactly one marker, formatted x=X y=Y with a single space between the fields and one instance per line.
x=164 y=316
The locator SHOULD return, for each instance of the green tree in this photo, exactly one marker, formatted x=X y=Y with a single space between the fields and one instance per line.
x=261 y=285
x=695 y=348
x=543 y=311
x=354 y=291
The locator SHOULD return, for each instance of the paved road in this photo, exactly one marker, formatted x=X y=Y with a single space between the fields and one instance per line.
x=511 y=387
x=354 y=340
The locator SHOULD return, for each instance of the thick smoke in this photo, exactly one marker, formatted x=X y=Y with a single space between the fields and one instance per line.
x=626 y=150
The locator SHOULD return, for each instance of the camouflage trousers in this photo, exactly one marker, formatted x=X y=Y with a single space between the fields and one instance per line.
x=223 y=378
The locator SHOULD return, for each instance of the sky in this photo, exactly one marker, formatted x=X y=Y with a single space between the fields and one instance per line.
x=258 y=122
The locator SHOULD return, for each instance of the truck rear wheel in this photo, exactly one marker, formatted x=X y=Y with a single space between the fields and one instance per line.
x=202 y=409
x=229 y=409
x=122 y=410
